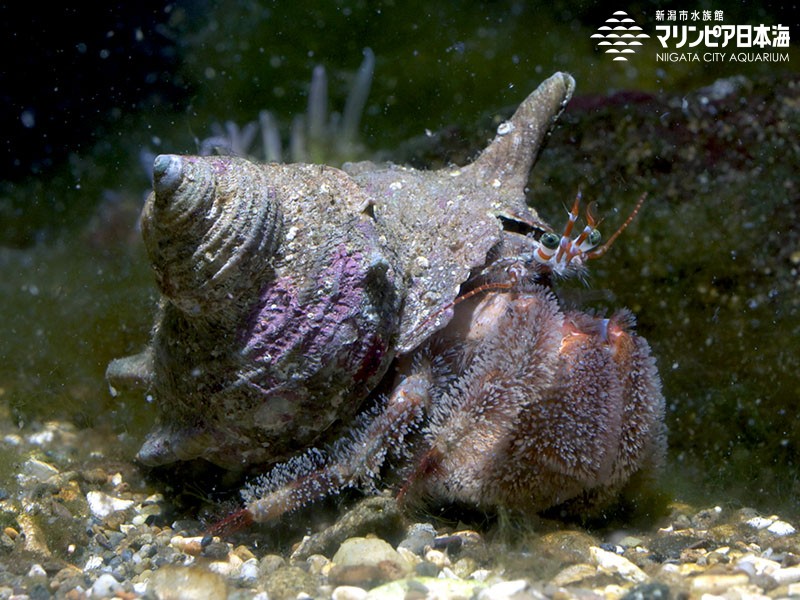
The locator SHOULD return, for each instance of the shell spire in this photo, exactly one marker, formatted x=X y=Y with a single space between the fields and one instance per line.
x=210 y=226
x=510 y=156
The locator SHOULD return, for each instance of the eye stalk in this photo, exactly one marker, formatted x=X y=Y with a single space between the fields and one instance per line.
x=549 y=240
x=546 y=247
x=593 y=237
x=559 y=254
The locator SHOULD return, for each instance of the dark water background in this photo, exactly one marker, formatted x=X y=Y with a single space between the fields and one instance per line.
x=85 y=90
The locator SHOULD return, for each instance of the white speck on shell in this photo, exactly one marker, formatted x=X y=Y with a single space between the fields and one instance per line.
x=505 y=128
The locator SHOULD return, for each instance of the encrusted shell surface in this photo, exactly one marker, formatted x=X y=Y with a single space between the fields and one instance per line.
x=288 y=289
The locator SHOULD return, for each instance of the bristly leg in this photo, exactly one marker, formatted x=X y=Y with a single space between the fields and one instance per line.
x=510 y=365
x=354 y=461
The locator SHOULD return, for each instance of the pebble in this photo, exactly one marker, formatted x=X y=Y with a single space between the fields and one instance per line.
x=36 y=470
x=418 y=536
x=104 y=586
x=781 y=528
x=717 y=583
x=188 y=545
x=37 y=570
x=229 y=568
x=786 y=576
x=617 y=565
x=425 y=587
x=437 y=558
x=503 y=590
x=574 y=574
x=363 y=560
x=187 y=583
x=127 y=544
x=248 y=573
x=349 y=592
x=102 y=505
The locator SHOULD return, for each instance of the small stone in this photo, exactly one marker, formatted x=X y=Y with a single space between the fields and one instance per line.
x=648 y=591
x=270 y=563
x=567 y=547
x=370 y=552
x=410 y=557
x=706 y=518
x=318 y=564
x=448 y=573
x=759 y=522
x=786 y=576
x=717 y=583
x=418 y=536
x=102 y=505
x=248 y=573
x=227 y=568
x=503 y=590
x=219 y=551
x=426 y=569
x=97 y=476
x=244 y=553
x=756 y=565
x=187 y=583
x=438 y=558
x=425 y=587
x=6 y=543
x=188 y=545
x=37 y=470
x=463 y=567
x=34 y=539
x=93 y=562
x=574 y=574
x=104 y=586
x=617 y=565
x=37 y=570
x=348 y=592
x=781 y=528
x=630 y=541
x=290 y=582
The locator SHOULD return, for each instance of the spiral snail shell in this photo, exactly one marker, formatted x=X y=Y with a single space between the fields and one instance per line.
x=287 y=290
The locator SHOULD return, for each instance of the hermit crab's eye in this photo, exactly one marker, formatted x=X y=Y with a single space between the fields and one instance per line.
x=550 y=240
x=594 y=237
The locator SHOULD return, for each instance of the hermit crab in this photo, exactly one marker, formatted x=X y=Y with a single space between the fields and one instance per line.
x=337 y=327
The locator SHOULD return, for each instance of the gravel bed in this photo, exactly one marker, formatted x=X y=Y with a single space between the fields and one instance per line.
x=77 y=525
